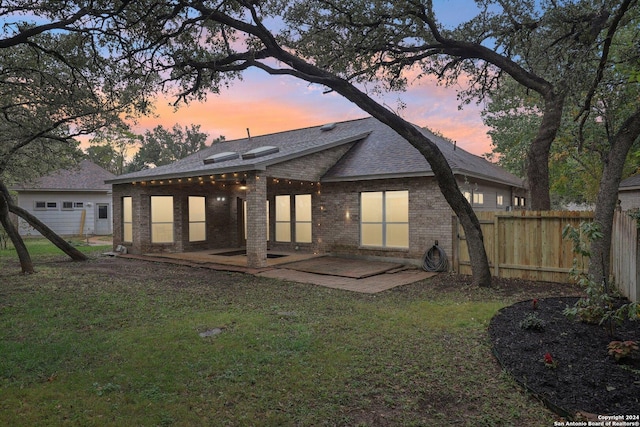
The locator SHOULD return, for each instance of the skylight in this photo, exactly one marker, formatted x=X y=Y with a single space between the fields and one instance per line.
x=260 y=151
x=221 y=157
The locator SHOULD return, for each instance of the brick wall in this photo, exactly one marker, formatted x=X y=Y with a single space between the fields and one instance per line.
x=222 y=216
x=335 y=215
x=256 y=195
x=429 y=217
x=310 y=167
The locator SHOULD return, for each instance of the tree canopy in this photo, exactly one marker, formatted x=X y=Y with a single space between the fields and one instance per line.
x=57 y=82
x=162 y=146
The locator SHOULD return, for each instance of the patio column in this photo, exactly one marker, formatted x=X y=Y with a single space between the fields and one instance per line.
x=256 y=219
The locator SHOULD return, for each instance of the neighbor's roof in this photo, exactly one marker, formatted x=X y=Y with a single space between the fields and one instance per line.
x=87 y=176
x=631 y=183
x=378 y=152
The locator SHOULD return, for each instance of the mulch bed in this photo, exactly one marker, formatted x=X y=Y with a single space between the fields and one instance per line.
x=586 y=380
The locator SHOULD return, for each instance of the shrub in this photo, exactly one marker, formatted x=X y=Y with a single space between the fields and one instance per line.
x=622 y=349
x=599 y=304
x=532 y=322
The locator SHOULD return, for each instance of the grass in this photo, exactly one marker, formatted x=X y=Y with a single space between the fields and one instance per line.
x=116 y=342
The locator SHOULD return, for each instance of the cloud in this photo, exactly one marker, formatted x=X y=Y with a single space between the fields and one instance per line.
x=267 y=104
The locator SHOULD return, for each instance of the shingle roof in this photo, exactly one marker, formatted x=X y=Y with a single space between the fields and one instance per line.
x=379 y=152
x=630 y=183
x=86 y=177
x=386 y=154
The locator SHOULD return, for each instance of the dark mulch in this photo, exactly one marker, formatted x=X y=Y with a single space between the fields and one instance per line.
x=587 y=379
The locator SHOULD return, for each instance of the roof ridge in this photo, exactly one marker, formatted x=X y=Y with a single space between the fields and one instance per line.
x=293 y=130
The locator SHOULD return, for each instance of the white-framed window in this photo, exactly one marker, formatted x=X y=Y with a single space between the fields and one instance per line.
x=161 y=219
x=283 y=218
x=384 y=219
x=197 y=219
x=467 y=195
x=52 y=205
x=40 y=205
x=519 y=201
x=303 y=218
x=127 y=219
x=478 y=198
x=78 y=205
x=67 y=206
x=499 y=200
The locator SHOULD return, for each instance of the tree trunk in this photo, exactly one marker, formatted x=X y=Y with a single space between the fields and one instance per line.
x=49 y=234
x=607 y=199
x=538 y=153
x=62 y=244
x=23 y=253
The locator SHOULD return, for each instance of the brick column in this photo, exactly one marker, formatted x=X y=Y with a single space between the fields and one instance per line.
x=256 y=220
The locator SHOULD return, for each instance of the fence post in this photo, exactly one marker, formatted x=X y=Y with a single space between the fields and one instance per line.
x=634 y=288
x=496 y=246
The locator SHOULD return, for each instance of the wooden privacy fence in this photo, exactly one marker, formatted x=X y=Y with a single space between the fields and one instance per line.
x=523 y=244
x=624 y=255
x=529 y=245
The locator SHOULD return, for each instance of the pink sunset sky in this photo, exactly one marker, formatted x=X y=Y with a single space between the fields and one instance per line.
x=267 y=104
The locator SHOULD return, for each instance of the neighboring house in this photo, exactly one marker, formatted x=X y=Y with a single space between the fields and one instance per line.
x=70 y=202
x=629 y=193
x=349 y=188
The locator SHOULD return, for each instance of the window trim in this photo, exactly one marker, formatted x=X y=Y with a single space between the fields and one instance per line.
x=172 y=222
x=204 y=221
x=127 y=225
x=384 y=223
x=478 y=198
x=285 y=224
x=297 y=221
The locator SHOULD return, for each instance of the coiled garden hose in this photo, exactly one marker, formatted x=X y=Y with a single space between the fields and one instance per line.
x=435 y=259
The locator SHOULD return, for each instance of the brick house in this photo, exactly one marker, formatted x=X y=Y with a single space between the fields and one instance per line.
x=348 y=188
x=71 y=202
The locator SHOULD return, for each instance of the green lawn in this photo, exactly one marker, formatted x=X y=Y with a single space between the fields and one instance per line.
x=117 y=342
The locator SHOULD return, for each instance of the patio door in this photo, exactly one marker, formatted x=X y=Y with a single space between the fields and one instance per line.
x=103 y=219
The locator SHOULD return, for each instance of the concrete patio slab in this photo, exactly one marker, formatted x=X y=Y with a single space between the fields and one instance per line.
x=345 y=267
x=369 y=285
x=349 y=274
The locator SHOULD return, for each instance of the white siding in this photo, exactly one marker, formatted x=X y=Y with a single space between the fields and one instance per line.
x=629 y=199
x=65 y=222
